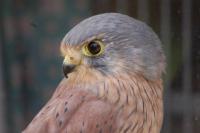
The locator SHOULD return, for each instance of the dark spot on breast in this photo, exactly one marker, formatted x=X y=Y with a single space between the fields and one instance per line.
x=81 y=131
x=100 y=131
x=83 y=98
x=111 y=117
x=105 y=122
x=83 y=123
x=60 y=123
x=97 y=125
x=66 y=103
x=57 y=114
x=110 y=128
x=70 y=95
x=48 y=107
x=65 y=109
x=127 y=99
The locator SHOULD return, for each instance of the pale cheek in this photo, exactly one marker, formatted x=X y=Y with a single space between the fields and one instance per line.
x=85 y=62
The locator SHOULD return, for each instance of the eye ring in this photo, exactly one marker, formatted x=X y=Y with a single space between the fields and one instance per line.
x=93 y=48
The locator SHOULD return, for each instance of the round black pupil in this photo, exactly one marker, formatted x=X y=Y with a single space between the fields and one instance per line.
x=94 y=48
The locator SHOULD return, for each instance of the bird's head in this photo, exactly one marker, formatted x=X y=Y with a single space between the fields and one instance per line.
x=110 y=44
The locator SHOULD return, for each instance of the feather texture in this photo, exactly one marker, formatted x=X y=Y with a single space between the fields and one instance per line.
x=119 y=104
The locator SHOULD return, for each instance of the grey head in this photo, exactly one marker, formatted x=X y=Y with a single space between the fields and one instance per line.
x=130 y=45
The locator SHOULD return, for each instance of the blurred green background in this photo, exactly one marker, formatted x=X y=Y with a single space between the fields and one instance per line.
x=30 y=62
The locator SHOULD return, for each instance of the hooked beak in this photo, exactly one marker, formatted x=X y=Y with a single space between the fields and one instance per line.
x=68 y=68
x=71 y=61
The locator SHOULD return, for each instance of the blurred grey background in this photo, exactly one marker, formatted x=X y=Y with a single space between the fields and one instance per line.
x=30 y=62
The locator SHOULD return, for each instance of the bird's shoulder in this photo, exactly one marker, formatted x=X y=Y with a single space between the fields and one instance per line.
x=75 y=111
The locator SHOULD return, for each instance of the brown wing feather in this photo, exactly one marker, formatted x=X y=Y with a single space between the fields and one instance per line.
x=77 y=111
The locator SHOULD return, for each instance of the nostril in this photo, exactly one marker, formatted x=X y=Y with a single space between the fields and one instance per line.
x=71 y=58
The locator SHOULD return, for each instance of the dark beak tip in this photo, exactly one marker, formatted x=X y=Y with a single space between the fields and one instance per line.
x=68 y=68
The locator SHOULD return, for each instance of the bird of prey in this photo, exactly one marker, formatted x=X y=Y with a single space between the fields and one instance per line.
x=113 y=66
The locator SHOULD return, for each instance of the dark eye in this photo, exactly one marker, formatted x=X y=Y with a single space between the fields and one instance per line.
x=94 y=47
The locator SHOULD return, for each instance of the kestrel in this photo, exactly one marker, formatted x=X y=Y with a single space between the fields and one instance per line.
x=113 y=66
